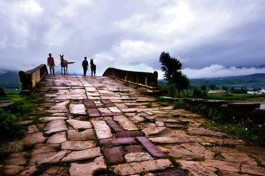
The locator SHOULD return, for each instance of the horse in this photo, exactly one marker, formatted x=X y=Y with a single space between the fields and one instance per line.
x=93 y=67
x=64 y=65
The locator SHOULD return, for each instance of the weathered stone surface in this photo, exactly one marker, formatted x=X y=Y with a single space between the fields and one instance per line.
x=137 y=157
x=114 y=126
x=55 y=126
x=33 y=138
x=145 y=166
x=16 y=159
x=54 y=157
x=122 y=134
x=222 y=165
x=93 y=112
x=47 y=119
x=195 y=168
x=117 y=141
x=252 y=169
x=77 y=109
x=78 y=145
x=177 y=151
x=11 y=170
x=82 y=155
x=57 y=138
x=74 y=135
x=170 y=140
x=125 y=123
x=89 y=169
x=102 y=129
x=56 y=170
x=198 y=150
x=134 y=149
x=153 y=130
x=114 y=155
x=76 y=124
x=205 y=132
x=150 y=147
x=32 y=129
x=30 y=170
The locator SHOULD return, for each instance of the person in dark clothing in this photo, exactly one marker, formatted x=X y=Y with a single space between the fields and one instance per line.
x=50 y=63
x=85 y=65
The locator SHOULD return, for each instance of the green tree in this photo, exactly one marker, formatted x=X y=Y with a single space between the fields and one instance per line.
x=172 y=72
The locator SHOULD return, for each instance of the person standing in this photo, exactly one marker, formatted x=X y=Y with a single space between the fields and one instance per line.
x=85 y=65
x=50 y=63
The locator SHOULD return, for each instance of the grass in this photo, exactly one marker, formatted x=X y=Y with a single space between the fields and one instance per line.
x=238 y=130
x=236 y=97
x=9 y=117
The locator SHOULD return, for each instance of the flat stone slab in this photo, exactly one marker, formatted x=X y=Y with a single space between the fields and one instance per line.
x=93 y=112
x=140 y=167
x=16 y=159
x=32 y=129
x=74 y=135
x=102 y=129
x=117 y=141
x=54 y=157
x=205 y=132
x=34 y=138
x=134 y=149
x=122 y=134
x=82 y=155
x=114 y=155
x=153 y=130
x=88 y=169
x=137 y=157
x=76 y=124
x=150 y=147
x=195 y=168
x=125 y=123
x=55 y=126
x=78 y=145
x=11 y=170
x=57 y=138
x=114 y=126
x=170 y=140
x=77 y=109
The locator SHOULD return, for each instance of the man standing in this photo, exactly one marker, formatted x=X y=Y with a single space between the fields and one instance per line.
x=85 y=65
x=50 y=63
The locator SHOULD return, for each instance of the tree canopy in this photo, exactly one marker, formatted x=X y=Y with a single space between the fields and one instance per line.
x=172 y=71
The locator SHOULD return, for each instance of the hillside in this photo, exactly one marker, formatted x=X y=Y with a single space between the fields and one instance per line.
x=9 y=80
x=247 y=81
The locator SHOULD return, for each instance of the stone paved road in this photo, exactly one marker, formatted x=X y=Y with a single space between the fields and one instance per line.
x=98 y=126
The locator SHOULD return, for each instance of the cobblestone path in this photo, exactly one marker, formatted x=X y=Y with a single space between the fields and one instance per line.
x=98 y=126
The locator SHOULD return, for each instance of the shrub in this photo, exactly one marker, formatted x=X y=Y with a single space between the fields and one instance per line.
x=9 y=127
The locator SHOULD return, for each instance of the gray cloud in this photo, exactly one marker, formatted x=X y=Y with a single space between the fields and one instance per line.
x=131 y=35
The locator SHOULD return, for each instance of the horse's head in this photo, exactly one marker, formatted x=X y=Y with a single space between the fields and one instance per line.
x=61 y=57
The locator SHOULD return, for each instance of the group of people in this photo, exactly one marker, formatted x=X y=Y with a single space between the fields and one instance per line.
x=51 y=64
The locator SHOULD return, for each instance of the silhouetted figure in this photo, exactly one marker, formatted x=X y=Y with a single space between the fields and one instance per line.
x=50 y=63
x=85 y=66
x=93 y=67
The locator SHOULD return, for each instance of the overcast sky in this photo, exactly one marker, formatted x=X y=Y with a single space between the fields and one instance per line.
x=211 y=38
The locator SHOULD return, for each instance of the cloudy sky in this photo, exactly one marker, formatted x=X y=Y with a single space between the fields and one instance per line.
x=211 y=38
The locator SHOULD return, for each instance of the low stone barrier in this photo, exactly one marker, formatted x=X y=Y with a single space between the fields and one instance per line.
x=30 y=78
x=145 y=79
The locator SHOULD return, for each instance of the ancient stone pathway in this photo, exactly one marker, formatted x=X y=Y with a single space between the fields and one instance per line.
x=98 y=126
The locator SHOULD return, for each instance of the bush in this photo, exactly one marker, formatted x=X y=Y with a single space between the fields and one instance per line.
x=9 y=127
x=198 y=93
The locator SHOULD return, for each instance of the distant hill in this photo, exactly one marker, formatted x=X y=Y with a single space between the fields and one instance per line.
x=246 y=81
x=9 y=80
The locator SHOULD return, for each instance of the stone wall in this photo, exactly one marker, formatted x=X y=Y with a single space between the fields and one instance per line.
x=140 y=78
x=30 y=78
